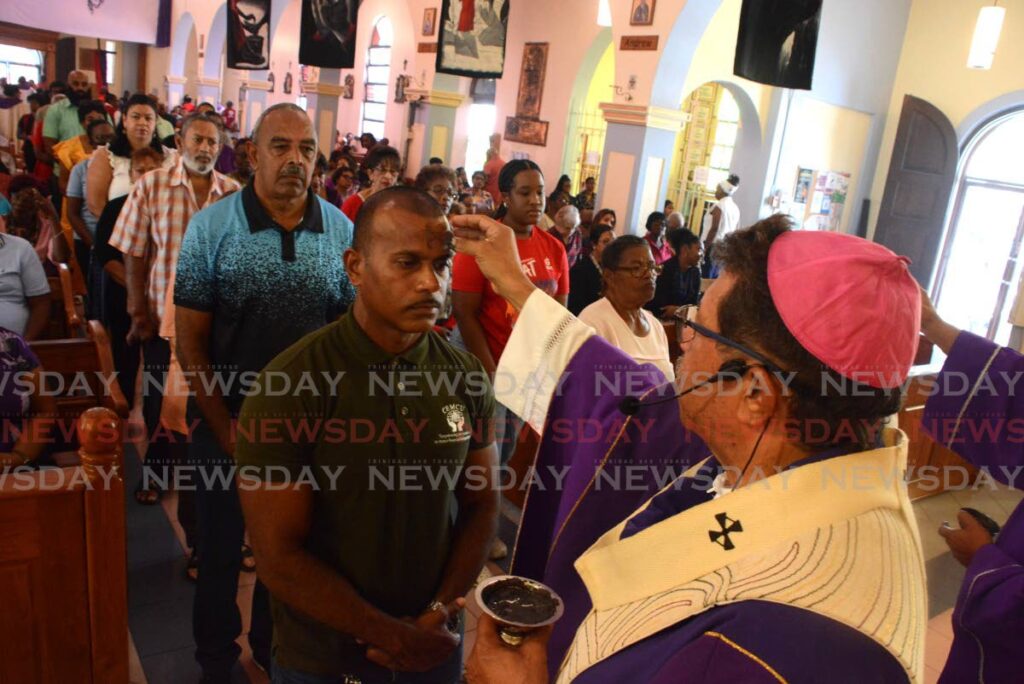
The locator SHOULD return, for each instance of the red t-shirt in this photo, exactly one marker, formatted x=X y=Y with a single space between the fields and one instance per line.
x=351 y=206
x=543 y=260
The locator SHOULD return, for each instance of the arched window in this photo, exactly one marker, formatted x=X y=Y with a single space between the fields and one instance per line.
x=378 y=72
x=980 y=265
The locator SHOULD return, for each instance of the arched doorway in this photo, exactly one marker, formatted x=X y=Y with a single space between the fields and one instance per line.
x=586 y=128
x=980 y=265
x=707 y=147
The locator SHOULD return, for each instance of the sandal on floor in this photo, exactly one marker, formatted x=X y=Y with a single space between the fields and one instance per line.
x=147 y=497
x=192 y=568
x=248 y=560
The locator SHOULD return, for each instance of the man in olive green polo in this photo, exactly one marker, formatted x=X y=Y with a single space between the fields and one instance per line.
x=368 y=565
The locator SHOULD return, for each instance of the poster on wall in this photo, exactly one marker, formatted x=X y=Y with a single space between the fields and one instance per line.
x=327 y=37
x=804 y=179
x=777 y=42
x=471 y=39
x=248 y=34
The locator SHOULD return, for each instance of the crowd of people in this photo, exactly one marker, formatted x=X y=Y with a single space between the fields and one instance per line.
x=202 y=252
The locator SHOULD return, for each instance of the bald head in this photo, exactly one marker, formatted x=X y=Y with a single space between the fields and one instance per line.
x=78 y=85
x=400 y=198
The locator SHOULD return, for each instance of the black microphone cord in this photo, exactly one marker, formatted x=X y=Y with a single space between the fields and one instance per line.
x=730 y=370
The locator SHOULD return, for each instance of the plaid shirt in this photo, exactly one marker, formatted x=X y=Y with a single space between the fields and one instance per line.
x=573 y=244
x=153 y=222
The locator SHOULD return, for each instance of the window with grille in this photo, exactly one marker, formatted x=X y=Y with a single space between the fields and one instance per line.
x=378 y=72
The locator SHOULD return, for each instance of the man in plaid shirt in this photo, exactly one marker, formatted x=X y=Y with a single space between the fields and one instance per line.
x=149 y=232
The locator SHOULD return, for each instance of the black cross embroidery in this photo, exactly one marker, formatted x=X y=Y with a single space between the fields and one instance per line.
x=728 y=526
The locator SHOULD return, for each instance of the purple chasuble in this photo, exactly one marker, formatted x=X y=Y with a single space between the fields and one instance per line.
x=606 y=477
x=582 y=437
x=984 y=423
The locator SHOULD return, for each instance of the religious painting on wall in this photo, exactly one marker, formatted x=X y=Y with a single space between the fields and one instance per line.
x=531 y=80
x=527 y=131
x=349 y=89
x=641 y=13
x=471 y=39
x=248 y=34
x=327 y=37
x=429 y=20
x=525 y=126
x=777 y=42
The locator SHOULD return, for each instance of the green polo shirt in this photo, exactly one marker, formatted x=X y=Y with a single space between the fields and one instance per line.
x=384 y=439
x=61 y=122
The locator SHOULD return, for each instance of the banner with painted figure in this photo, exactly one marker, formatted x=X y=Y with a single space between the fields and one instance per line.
x=471 y=41
x=129 y=20
x=328 y=34
x=777 y=42
x=248 y=34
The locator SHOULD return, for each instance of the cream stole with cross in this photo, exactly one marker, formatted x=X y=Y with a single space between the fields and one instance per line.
x=837 y=537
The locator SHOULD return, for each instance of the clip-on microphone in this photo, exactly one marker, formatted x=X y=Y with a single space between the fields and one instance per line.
x=730 y=370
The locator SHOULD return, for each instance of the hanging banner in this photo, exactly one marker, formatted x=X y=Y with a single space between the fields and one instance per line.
x=248 y=34
x=130 y=20
x=777 y=41
x=328 y=34
x=471 y=41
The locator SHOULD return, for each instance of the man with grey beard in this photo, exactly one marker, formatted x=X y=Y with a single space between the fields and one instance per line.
x=149 y=232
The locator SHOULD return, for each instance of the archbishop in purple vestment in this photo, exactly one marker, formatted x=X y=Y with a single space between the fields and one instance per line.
x=985 y=425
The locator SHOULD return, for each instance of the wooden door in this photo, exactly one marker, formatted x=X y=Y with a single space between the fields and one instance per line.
x=912 y=216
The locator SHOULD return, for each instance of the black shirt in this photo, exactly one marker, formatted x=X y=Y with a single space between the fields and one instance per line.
x=584 y=285
x=675 y=287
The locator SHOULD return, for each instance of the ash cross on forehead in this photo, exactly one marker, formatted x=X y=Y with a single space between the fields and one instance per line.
x=728 y=526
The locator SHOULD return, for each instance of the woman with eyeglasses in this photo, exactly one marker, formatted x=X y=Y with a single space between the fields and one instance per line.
x=629 y=272
x=439 y=182
x=383 y=164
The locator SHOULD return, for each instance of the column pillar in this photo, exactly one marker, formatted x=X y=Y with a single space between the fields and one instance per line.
x=433 y=126
x=322 y=100
x=208 y=90
x=175 y=90
x=252 y=104
x=635 y=167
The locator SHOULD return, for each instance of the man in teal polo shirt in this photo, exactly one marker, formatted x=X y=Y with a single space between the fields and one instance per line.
x=386 y=441
x=257 y=271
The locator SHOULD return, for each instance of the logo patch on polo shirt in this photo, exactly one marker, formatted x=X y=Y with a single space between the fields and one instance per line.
x=455 y=419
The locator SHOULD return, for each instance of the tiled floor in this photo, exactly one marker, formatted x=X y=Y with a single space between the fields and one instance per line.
x=160 y=599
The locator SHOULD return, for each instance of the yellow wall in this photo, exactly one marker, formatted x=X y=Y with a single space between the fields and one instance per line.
x=823 y=137
x=933 y=66
x=716 y=51
x=602 y=81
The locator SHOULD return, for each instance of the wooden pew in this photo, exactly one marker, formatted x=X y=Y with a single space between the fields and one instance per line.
x=64 y=612
x=67 y=310
x=88 y=358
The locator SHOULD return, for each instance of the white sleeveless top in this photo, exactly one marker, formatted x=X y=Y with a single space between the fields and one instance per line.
x=121 y=181
x=729 y=221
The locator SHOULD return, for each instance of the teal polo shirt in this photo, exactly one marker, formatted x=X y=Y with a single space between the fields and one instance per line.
x=385 y=438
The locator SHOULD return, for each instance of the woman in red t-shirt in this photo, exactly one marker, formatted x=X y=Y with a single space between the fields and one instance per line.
x=485 y=319
x=382 y=166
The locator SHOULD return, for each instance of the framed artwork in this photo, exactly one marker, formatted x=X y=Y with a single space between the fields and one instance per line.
x=641 y=13
x=429 y=21
x=531 y=80
x=529 y=131
x=471 y=38
x=327 y=33
x=248 y=45
x=349 y=87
